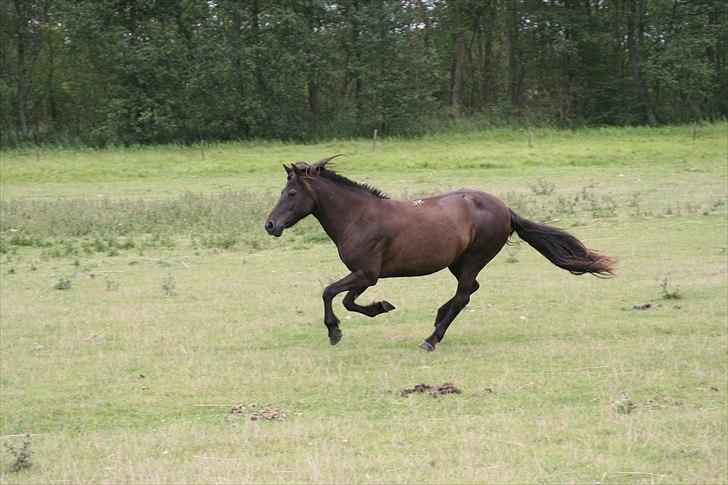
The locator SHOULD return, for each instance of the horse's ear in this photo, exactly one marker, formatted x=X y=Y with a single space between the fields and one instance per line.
x=321 y=163
x=287 y=169
x=295 y=169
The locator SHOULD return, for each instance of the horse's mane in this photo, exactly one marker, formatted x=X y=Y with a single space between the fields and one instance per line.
x=340 y=179
x=319 y=169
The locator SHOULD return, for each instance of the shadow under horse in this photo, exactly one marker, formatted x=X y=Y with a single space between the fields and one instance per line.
x=382 y=238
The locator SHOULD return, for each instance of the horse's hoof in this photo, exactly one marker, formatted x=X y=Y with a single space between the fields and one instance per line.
x=425 y=345
x=335 y=337
x=386 y=306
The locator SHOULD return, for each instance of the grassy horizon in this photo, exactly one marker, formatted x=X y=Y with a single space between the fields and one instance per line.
x=501 y=151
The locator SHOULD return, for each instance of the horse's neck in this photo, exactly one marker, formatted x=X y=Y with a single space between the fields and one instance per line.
x=338 y=209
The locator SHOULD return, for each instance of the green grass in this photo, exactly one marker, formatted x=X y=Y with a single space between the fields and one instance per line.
x=129 y=374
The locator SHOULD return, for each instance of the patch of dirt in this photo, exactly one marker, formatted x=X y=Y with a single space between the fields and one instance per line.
x=642 y=306
x=625 y=404
x=254 y=413
x=419 y=388
x=446 y=388
x=658 y=402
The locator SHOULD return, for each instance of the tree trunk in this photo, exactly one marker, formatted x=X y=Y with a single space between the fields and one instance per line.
x=352 y=48
x=424 y=17
x=488 y=78
x=237 y=42
x=51 y=111
x=635 y=34
x=313 y=98
x=312 y=57
x=21 y=79
x=515 y=74
x=255 y=28
x=458 y=69
x=618 y=47
x=715 y=54
x=355 y=33
x=573 y=62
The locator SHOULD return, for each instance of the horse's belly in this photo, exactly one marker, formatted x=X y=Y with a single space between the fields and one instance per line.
x=404 y=268
x=421 y=256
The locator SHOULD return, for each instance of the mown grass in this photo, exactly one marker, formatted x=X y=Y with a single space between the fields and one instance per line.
x=129 y=373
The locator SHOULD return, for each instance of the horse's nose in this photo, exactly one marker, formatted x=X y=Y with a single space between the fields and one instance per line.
x=269 y=226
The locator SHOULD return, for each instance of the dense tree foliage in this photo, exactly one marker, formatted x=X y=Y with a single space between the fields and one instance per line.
x=146 y=71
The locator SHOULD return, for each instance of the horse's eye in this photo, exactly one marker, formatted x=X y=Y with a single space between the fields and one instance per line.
x=291 y=193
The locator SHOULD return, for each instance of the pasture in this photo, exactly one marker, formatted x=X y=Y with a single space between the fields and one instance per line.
x=141 y=300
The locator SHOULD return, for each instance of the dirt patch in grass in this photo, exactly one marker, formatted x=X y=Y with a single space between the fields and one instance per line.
x=625 y=404
x=446 y=388
x=268 y=412
x=658 y=402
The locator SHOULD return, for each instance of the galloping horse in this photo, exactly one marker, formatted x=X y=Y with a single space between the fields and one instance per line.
x=382 y=238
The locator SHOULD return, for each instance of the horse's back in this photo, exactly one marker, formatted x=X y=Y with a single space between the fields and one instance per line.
x=429 y=234
x=483 y=209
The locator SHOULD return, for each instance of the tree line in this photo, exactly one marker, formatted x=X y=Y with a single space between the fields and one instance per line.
x=154 y=71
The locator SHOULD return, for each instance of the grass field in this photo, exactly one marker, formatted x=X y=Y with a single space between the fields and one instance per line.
x=141 y=300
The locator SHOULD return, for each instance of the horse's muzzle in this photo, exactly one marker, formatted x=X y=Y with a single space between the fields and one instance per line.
x=274 y=229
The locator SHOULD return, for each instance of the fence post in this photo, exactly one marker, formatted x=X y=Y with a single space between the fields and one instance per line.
x=202 y=148
x=530 y=137
x=37 y=153
x=374 y=140
x=695 y=130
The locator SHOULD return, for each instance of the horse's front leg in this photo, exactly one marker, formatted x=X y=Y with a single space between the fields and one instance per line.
x=371 y=310
x=356 y=279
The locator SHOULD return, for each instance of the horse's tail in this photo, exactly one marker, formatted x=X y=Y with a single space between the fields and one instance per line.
x=561 y=248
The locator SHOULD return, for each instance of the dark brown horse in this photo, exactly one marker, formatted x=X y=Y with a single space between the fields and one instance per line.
x=382 y=238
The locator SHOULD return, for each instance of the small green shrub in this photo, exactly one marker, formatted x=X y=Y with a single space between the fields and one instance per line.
x=512 y=253
x=169 y=285
x=21 y=457
x=542 y=187
x=62 y=283
x=668 y=292
x=624 y=405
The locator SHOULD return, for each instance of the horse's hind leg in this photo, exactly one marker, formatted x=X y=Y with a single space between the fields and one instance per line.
x=442 y=311
x=370 y=310
x=465 y=270
x=457 y=303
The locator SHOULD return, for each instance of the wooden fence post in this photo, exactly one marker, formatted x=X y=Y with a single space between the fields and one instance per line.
x=202 y=148
x=374 y=142
x=530 y=137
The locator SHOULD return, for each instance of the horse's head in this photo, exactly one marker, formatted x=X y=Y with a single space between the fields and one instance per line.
x=298 y=198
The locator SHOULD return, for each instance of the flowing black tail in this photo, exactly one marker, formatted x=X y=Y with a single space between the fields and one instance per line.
x=561 y=248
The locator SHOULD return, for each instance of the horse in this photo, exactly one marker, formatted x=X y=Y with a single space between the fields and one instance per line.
x=378 y=237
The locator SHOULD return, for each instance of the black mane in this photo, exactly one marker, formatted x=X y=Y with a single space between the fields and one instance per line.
x=340 y=179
